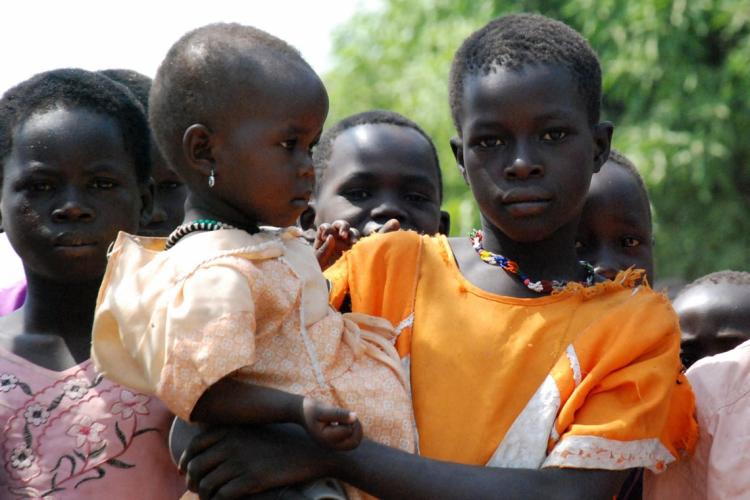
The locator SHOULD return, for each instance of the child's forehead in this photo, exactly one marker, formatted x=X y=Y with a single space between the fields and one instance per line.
x=718 y=299
x=613 y=185
x=543 y=90
x=378 y=148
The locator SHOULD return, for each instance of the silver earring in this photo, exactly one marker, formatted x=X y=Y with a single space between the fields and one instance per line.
x=211 y=178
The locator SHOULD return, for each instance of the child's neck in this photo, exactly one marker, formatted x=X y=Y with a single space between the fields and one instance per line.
x=64 y=310
x=197 y=208
x=554 y=258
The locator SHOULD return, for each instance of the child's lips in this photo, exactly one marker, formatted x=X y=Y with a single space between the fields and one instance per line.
x=73 y=244
x=526 y=202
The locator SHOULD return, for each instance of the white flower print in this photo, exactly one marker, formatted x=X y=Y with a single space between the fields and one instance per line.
x=86 y=431
x=21 y=458
x=76 y=389
x=36 y=415
x=130 y=403
x=8 y=382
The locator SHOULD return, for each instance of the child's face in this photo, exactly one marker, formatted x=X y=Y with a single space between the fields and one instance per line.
x=379 y=172
x=262 y=151
x=714 y=318
x=69 y=186
x=528 y=149
x=615 y=229
x=169 y=198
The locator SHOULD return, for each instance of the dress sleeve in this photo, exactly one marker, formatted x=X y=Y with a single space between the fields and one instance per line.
x=630 y=406
x=208 y=332
x=379 y=276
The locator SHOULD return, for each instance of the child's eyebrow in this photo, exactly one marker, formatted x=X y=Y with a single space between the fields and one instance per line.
x=103 y=167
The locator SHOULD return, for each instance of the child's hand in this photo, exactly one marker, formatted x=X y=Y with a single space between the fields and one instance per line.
x=332 y=240
x=375 y=227
x=331 y=427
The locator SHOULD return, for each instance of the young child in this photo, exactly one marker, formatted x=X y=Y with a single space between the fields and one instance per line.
x=169 y=190
x=715 y=317
x=530 y=378
x=74 y=150
x=615 y=231
x=714 y=314
x=376 y=171
x=224 y=321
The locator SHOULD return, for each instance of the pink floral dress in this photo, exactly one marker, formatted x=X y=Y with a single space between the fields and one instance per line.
x=73 y=434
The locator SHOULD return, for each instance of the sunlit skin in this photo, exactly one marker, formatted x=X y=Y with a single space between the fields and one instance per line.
x=615 y=229
x=528 y=152
x=713 y=318
x=169 y=198
x=69 y=185
x=378 y=172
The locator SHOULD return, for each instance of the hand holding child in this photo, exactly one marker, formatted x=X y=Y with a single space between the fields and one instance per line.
x=329 y=426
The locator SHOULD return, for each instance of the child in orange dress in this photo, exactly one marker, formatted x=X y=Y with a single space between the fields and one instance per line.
x=225 y=321
x=531 y=377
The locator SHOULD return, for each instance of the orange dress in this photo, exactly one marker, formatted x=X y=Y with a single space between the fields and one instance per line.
x=585 y=378
x=254 y=307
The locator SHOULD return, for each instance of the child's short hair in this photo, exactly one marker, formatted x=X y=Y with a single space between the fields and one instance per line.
x=517 y=40
x=740 y=278
x=190 y=85
x=322 y=152
x=78 y=88
x=620 y=159
x=137 y=83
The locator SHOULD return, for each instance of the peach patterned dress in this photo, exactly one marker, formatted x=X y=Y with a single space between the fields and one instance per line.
x=219 y=303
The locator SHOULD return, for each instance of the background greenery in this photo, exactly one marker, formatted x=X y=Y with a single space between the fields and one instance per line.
x=676 y=85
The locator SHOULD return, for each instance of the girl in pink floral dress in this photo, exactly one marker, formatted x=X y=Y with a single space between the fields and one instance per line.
x=74 y=153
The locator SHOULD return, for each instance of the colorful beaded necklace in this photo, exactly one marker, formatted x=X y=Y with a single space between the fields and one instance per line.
x=193 y=226
x=541 y=286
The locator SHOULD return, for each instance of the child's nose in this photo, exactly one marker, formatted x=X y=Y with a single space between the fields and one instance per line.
x=159 y=214
x=387 y=209
x=606 y=265
x=523 y=168
x=72 y=208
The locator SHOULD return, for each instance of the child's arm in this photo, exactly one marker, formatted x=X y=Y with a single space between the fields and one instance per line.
x=281 y=456
x=232 y=402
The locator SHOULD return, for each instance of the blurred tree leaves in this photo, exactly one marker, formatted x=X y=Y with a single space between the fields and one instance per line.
x=676 y=85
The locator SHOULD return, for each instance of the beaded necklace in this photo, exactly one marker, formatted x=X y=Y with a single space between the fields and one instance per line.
x=541 y=286
x=193 y=226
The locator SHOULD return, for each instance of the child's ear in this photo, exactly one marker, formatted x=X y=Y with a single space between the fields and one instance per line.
x=307 y=219
x=197 y=148
x=457 y=146
x=147 y=192
x=445 y=223
x=602 y=142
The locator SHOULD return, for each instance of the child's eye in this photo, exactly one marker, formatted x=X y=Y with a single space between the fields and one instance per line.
x=169 y=185
x=554 y=135
x=41 y=186
x=416 y=197
x=289 y=144
x=630 y=242
x=103 y=184
x=357 y=194
x=491 y=143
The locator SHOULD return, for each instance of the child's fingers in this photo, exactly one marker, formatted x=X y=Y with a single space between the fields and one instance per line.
x=217 y=478
x=199 y=444
x=390 y=226
x=331 y=414
x=343 y=228
x=320 y=235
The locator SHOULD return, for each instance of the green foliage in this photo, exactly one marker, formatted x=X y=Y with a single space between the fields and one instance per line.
x=676 y=85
